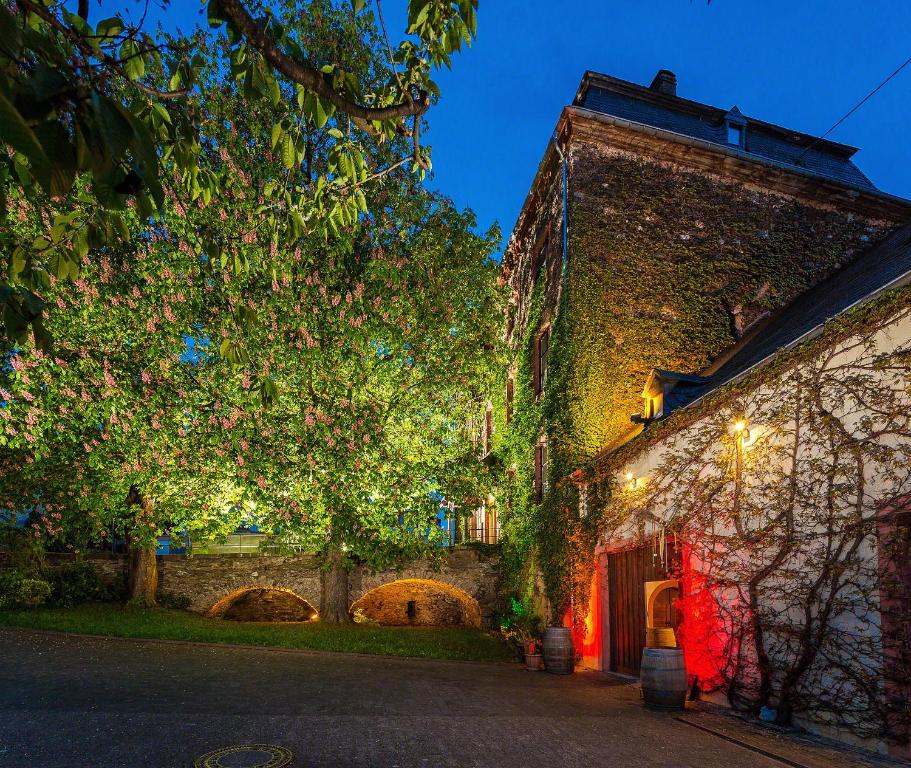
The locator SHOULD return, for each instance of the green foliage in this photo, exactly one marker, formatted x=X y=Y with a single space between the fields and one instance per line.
x=105 y=125
x=111 y=621
x=79 y=582
x=18 y=590
x=662 y=265
x=174 y=601
x=24 y=551
x=316 y=389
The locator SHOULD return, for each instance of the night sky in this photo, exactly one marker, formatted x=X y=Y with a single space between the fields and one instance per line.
x=798 y=63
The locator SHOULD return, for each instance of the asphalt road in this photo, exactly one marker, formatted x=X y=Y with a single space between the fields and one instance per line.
x=77 y=702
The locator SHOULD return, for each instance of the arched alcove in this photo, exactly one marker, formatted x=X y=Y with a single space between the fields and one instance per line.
x=419 y=603
x=263 y=603
x=661 y=613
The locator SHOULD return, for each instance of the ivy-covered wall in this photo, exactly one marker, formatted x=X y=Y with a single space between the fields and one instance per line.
x=666 y=268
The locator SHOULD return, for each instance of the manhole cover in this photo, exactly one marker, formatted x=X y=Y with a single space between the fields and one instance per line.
x=246 y=756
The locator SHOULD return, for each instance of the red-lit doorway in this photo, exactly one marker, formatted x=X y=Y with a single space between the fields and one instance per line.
x=627 y=612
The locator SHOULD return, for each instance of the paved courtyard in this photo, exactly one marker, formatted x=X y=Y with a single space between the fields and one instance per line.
x=67 y=701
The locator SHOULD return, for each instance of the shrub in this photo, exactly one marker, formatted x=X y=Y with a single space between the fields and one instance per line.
x=521 y=628
x=172 y=600
x=24 y=551
x=77 y=582
x=20 y=591
x=360 y=617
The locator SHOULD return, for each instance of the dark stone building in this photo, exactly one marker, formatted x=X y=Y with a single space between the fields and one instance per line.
x=656 y=233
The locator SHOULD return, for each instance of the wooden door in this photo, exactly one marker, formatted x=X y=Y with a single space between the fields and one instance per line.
x=627 y=572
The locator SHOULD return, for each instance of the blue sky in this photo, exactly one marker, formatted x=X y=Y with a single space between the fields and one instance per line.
x=797 y=63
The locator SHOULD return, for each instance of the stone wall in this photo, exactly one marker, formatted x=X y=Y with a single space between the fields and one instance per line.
x=476 y=574
x=207 y=580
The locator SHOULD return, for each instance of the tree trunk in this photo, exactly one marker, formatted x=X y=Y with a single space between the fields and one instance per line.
x=143 y=579
x=333 y=604
x=143 y=575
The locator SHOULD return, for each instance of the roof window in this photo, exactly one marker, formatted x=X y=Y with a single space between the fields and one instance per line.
x=736 y=125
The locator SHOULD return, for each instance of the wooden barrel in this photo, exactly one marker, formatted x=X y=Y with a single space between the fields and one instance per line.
x=663 y=678
x=660 y=637
x=559 y=655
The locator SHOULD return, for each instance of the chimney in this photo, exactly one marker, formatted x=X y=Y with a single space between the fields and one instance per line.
x=665 y=82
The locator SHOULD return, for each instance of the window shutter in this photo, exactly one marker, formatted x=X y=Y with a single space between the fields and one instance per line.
x=545 y=351
x=488 y=430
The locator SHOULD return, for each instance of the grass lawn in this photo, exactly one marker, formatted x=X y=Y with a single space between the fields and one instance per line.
x=161 y=623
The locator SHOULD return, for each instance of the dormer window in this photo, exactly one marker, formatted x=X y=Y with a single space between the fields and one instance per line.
x=653 y=406
x=736 y=125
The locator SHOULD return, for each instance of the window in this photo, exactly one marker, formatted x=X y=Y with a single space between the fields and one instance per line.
x=541 y=255
x=542 y=350
x=583 y=501
x=653 y=407
x=488 y=429
x=540 y=481
x=735 y=134
x=510 y=393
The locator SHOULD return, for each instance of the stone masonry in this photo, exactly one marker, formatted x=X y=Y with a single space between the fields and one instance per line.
x=213 y=581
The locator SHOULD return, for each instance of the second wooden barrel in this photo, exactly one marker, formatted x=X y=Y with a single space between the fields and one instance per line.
x=660 y=637
x=663 y=678
x=559 y=654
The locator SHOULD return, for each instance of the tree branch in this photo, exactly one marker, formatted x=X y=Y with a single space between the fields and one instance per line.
x=312 y=78
x=109 y=61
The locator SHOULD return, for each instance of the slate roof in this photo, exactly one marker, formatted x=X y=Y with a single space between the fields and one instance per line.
x=886 y=264
x=790 y=149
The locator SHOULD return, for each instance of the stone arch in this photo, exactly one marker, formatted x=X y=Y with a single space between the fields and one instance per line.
x=419 y=602
x=262 y=602
x=654 y=592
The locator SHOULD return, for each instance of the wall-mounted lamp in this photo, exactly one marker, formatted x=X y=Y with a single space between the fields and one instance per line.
x=741 y=430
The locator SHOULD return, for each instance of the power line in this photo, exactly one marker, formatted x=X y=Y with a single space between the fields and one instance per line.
x=854 y=109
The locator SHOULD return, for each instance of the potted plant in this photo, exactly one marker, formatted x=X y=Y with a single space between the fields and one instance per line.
x=534 y=661
x=523 y=632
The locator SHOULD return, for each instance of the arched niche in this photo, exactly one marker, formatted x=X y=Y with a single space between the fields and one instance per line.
x=419 y=602
x=263 y=603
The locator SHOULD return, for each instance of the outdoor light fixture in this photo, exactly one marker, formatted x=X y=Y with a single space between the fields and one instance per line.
x=741 y=430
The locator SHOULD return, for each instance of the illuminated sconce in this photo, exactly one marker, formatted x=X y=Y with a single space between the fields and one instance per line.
x=744 y=432
x=631 y=481
x=741 y=430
